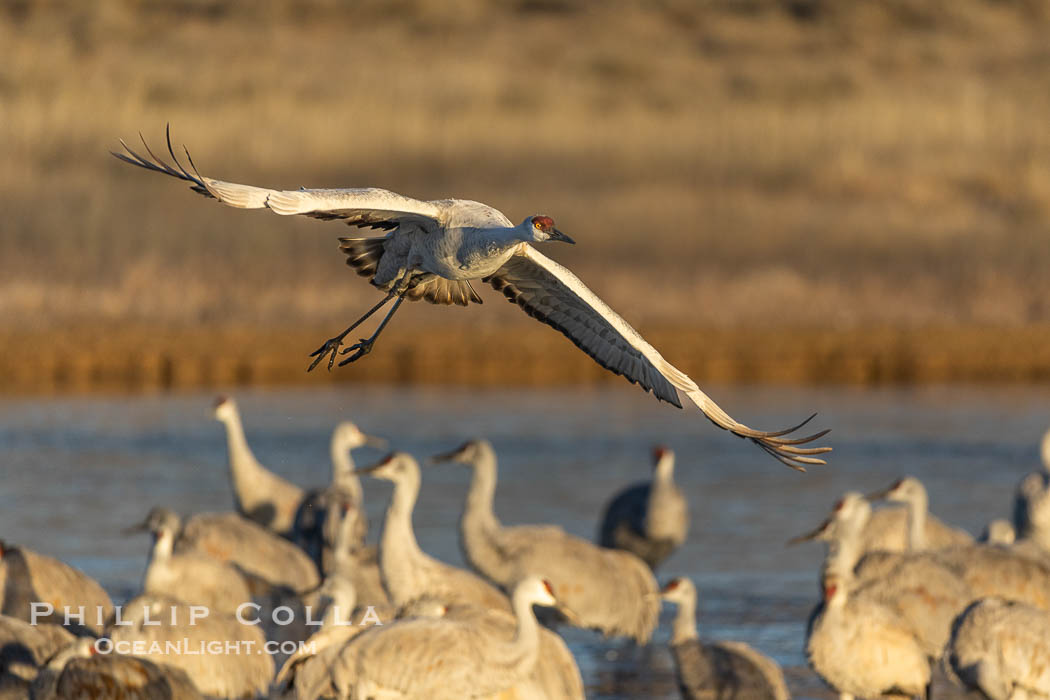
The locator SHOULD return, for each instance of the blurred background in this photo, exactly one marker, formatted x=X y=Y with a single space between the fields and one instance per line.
x=843 y=205
x=774 y=190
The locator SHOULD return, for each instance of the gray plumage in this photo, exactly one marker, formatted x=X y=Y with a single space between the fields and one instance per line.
x=27 y=577
x=75 y=673
x=445 y=658
x=258 y=493
x=322 y=511
x=244 y=673
x=718 y=671
x=923 y=593
x=604 y=589
x=408 y=573
x=189 y=576
x=24 y=648
x=649 y=519
x=1002 y=649
x=232 y=538
x=987 y=570
x=433 y=250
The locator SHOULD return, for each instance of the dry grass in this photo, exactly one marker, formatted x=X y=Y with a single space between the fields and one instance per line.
x=730 y=163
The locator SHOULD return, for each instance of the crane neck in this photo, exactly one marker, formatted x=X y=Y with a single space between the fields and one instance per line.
x=479 y=511
x=341 y=607
x=684 y=626
x=163 y=545
x=523 y=649
x=343 y=475
x=1044 y=452
x=844 y=551
x=399 y=554
x=663 y=474
x=244 y=467
x=918 y=510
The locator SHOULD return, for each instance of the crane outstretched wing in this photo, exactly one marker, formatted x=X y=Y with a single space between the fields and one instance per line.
x=363 y=207
x=552 y=294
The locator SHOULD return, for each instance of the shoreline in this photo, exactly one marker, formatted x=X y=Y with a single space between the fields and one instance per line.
x=134 y=358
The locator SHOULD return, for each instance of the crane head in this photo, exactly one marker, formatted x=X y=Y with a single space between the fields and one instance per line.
x=541 y=229
x=348 y=436
x=469 y=453
x=678 y=590
x=224 y=408
x=903 y=490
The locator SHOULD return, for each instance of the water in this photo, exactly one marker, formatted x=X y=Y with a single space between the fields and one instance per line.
x=76 y=471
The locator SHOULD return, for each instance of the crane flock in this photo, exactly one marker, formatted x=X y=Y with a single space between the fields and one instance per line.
x=905 y=598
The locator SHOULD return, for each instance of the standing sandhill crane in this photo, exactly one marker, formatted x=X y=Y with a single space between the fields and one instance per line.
x=24 y=648
x=926 y=594
x=989 y=570
x=650 y=518
x=358 y=564
x=725 y=670
x=258 y=493
x=1032 y=508
x=169 y=632
x=604 y=589
x=917 y=526
x=188 y=576
x=862 y=648
x=78 y=671
x=308 y=669
x=433 y=250
x=322 y=511
x=1002 y=648
x=440 y=658
x=409 y=573
x=28 y=577
x=230 y=537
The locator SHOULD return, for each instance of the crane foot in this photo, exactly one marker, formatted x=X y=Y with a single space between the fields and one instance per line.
x=359 y=349
x=330 y=349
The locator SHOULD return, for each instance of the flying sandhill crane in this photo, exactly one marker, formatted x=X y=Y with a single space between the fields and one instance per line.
x=1002 y=648
x=920 y=529
x=988 y=570
x=862 y=648
x=258 y=493
x=188 y=576
x=434 y=250
x=650 y=518
x=24 y=649
x=442 y=658
x=323 y=511
x=78 y=671
x=605 y=589
x=28 y=577
x=726 y=670
x=230 y=537
x=409 y=573
x=169 y=632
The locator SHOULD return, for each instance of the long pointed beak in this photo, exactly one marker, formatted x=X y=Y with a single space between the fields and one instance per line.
x=878 y=495
x=816 y=534
x=374 y=467
x=136 y=529
x=376 y=442
x=569 y=615
x=557 y=235
x=443 y=457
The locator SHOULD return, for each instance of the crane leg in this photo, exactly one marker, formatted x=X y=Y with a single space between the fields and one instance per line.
x=365 y=346
x=331 y=346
